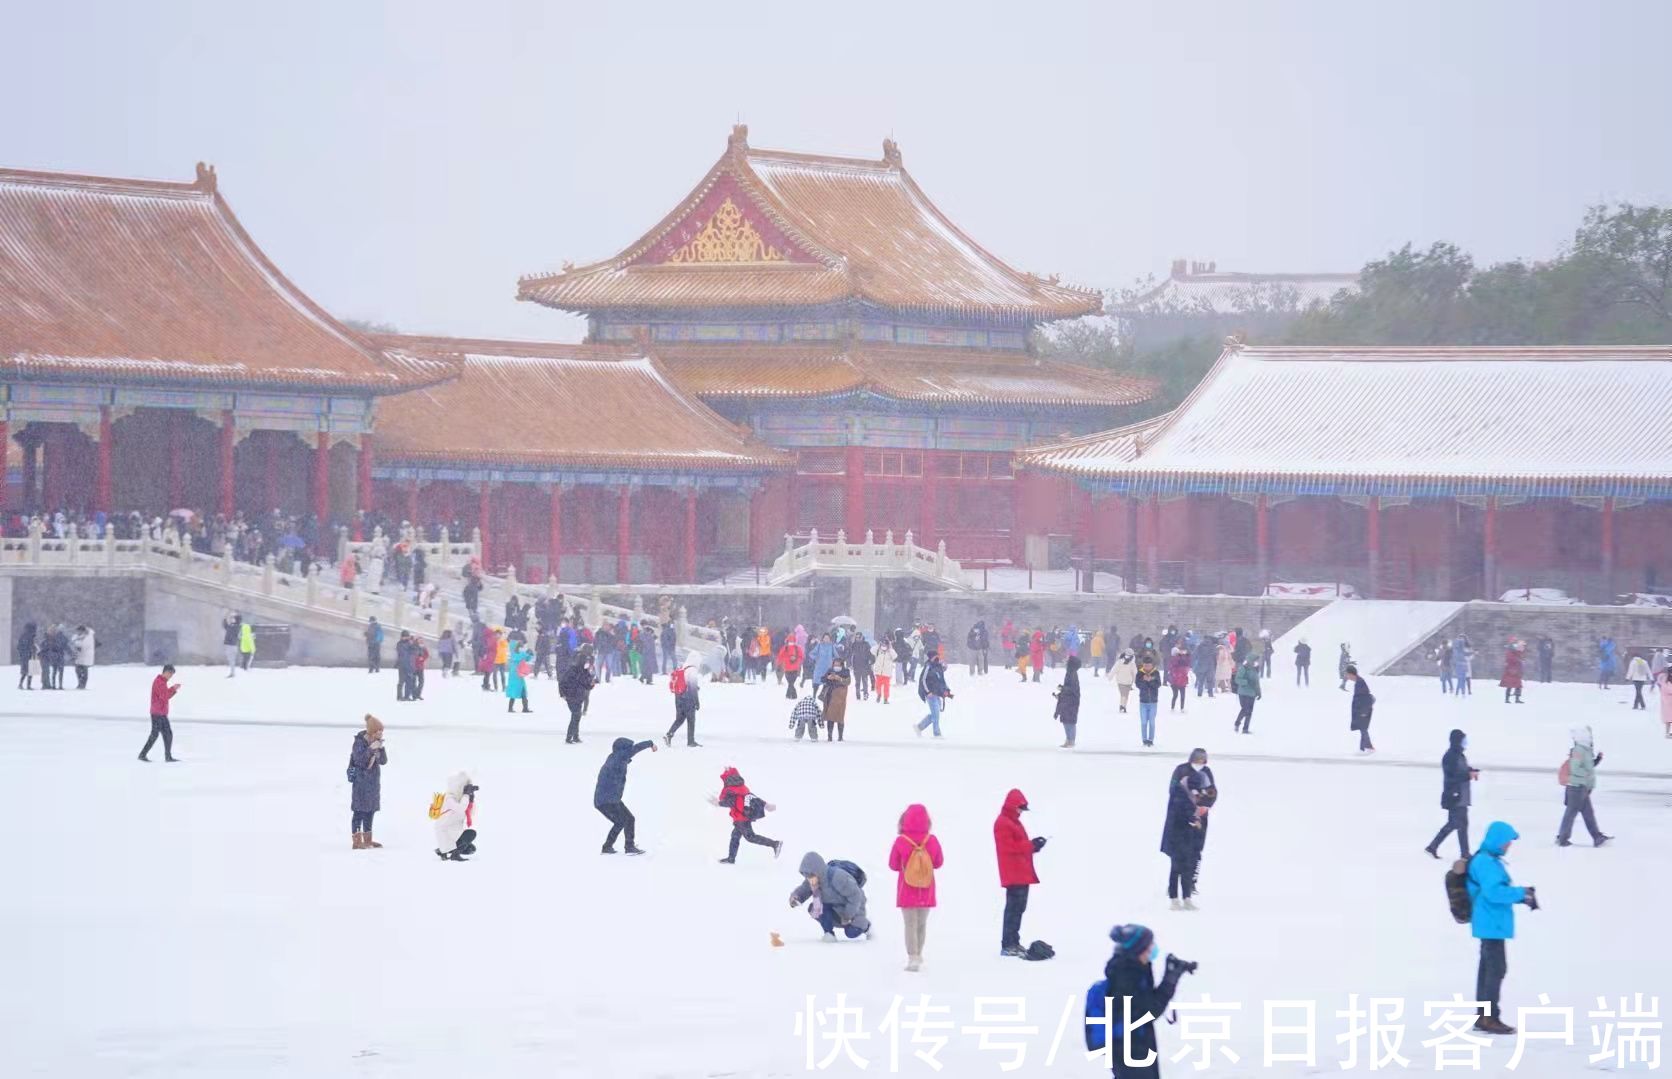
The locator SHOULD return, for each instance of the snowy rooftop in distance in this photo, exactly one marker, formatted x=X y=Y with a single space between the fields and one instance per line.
x=1201 y=289
x=1585 y=419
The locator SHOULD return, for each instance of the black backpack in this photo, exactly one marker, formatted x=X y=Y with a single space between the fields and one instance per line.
x=754 y=807
x=1457 y=892
x=852 y=870
x=1039 y=950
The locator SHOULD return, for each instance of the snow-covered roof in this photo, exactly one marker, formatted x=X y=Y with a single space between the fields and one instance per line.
x=115 y=279
x=774 y=228
x=1194 y=290
x=1415 y=421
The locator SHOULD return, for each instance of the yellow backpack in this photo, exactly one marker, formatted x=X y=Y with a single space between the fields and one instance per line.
x=436 y=802
x=920 y=868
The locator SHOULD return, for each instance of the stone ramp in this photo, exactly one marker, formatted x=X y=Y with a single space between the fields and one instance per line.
x=1378 y=632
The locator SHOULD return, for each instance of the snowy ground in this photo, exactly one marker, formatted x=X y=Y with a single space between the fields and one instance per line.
x=209 y=917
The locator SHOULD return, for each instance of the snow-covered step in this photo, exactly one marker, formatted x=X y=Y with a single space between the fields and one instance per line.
x=1376 y=631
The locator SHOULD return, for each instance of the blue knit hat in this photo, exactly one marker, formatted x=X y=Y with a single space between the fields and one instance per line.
x=1133 y=939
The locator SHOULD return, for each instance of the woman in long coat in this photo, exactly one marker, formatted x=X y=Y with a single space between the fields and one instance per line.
x=1223 y=668
x=1511 y=678
x=1068 y=702
x=834 y=692
x=365 y=762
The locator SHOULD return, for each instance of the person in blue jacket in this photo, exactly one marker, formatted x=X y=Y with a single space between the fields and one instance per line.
x=1492 y=897
x=1608 y=662
x=612 y=785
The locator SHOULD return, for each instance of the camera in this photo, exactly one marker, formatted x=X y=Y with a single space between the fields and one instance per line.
x=470 y=790
x=1180 y=966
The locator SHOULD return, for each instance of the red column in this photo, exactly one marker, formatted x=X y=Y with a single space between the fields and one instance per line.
x=927 y=526
x=228 y=436
x=554 y=535
x=176 y=471
x=623 y=532
x=691 y=535
x=1080 y=540
x=853 y=496
x=755 y=497
x=322 y=480
x=5 y=447
x=31 y=453
x=1608 y=550
x=484 y=522
x=1489 y=543
x=101 y=488
x=363 y=483
x=1130 y=584
x=1373 y=544
x=412 y=502
x=1262 y=540
x=1154 y=543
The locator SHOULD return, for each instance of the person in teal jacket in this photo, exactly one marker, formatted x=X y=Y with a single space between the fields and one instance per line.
x=1246 y=683
x=516 y=682
x=1492 y=897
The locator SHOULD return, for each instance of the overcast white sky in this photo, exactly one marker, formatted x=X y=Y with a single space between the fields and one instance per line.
x=405 y=162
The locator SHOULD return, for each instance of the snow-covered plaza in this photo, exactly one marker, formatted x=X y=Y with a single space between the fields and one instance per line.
x=209 y=917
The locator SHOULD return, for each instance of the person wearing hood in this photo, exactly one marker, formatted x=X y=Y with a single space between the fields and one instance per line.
x=833 y=692
x=734 y=797
x=612 y=785
x=1016 y=874
x=1068 y=702
x=1637 y=673
x=790 y=658
x=977 y=643
x=1125 y=671
x=1581 y=781
x=822 y=655
x=1190 y=795
x=1608 y=662
x=933 y=691
x=1510 y=680
x=83 y=647
x=1492 y=898
x=915 y=856
x=1264 y=646
x=575 y=686
x=1303 y=663
x=455 y=819
x=366 y=759
x=1178 y=676
x=1128 y=976
x=1098 y=646
x=246 y=645
x=1546 y=658
x=1204 y=659
x=1360 y=708
x=1454 y=795
x=1246 y=682
x=835 y=897
x=1036 y=653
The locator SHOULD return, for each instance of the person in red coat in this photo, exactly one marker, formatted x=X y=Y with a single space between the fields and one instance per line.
x=1036 y=652
x=734 y=796
x=1016 y=873
x=161 y=694
x=789 y=664
x=1511 y=680
x=915 y=900
x=1178 y=675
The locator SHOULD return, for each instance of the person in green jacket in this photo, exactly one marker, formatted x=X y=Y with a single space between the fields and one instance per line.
x=1582 y=780
x=1246 y=683
x=246 y=645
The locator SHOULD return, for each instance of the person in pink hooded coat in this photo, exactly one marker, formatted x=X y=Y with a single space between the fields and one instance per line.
x=914 y=900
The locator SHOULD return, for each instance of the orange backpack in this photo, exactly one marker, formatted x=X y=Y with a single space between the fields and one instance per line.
x=920 y=868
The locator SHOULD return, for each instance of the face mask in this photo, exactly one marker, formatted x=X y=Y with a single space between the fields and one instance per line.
x=1154 y=951
x=1465 y=743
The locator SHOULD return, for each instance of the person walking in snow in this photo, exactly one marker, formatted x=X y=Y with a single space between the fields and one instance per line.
x=455 y=819
x=366 y=759
x=161 y=694
x=612 y=784
x=790 y=658
x=1546 y=658
x=1493 y=897
x=915 y=856
x=1263 y=644
x=1125 y=671
x=1223 y=667
x=977 y=643
x=1129 y=982
x=231 y=630
x=1607 y=662
x=28 y=657
x=1442 y=663
x=1342 y=663
x=1016 y=873
x=1068 y=702
x=1148 y=681
x=1363 y=703
x=246 y=645
x=1204 y=663
x=683 y=684
x=835 y=894
x=745 y=809
x=575 y=687
x=374 y=646
x=833 y=692
x=1510 y=680
x=1457 y=778
x=1666 y=700
x=931 y=689
x=1178 y=676
x=518 y=664
x=1036 y=653
x=1246 y=682
x=1462 y=666
x=1637 y=673
x=1580 y=781
x=1190 y=794
x=1303 y=663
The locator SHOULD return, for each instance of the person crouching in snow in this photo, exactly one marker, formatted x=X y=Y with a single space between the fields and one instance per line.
x=835 y=894
x=916 y=855
x=746 y=809
x=454 y=813
x=804 y=717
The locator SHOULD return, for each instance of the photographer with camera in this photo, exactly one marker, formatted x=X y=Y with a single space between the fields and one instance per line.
x=1492 y=899
x=1128 y=975
x=454 y=811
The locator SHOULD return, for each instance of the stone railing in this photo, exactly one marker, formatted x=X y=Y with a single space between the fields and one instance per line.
x=886 y=558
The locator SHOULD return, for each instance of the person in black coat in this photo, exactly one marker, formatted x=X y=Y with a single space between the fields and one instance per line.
x=25 y=653
x=1454 y=795
x=612 y=784
x=575 y=687
x=685 y=705
x=1185 y=831
x=1068 y=702
x=1546 y=657
x=977 y=643
x=1303 y=663
x=1362 y=704
x=1130 y=976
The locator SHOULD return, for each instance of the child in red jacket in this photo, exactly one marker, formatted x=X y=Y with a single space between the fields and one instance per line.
x=916 y=855
x=745 y=809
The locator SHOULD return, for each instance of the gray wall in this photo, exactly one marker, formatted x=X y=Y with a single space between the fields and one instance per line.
x=1575 y=630
x=113 y=606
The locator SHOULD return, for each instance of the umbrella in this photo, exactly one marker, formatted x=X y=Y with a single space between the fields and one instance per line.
x=843 y=620
x=292 y=540
x=183 y=514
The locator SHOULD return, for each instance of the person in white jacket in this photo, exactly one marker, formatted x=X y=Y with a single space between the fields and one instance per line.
x=82 y=648
x=1125 y=669
x=1637 y=673
x=455 y=835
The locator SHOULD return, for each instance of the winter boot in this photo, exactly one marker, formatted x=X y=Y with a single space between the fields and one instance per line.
x=1488 y=1024
x=1432 y=853
x=1188 y=905
x=1173 y=904
x=1012 y=953
x=633 y=850
x=728 y=861
x=359 y=840
x=370 y=842
x=828 y=938
x=1601 y=839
